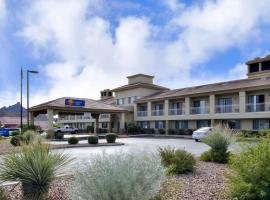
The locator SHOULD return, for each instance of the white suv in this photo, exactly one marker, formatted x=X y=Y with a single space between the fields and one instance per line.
x=201 y=132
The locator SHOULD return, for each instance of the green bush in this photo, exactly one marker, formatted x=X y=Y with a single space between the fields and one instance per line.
x=161 y=131
x=250 y=177
x=14 y=133
x=148 y=131
x=73 y=140
x=93 y=139
x=59 y=135
x=119 y=176
x=29 y=136
x=172 y=132
x=177 y=161
x=90 y=129
x=3 y=195
x=31 y=127
x=219 y=140
x=111 y=137
x=133 y=129
x=183 y=131
x=248 y=133
x=1 y=137
x=17 y=140
x=35 y=166
x=264 y=133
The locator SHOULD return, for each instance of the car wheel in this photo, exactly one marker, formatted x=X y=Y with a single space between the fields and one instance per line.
x=196 y=140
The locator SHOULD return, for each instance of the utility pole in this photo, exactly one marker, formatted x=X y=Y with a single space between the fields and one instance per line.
x=21 y=75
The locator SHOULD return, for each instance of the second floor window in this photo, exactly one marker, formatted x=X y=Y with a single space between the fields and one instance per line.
x=158 y=106
x=120 y=101
x=132 y=99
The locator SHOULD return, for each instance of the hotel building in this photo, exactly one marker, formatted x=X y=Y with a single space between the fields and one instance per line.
x=240 y=104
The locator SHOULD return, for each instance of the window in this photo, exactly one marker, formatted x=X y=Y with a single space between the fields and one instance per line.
x=232 y=124
x=255 y=103
x=181 y=124
x=158 y=106
x=266 y=65
x=160 y=124
x=104 y=125
x=144 y=124
x=254 y=67
x=120 y=101
x=131 y=99
x=225 y=105
x=261 y=124
x=203 y=123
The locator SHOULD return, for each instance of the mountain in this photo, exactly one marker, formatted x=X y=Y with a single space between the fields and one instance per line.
x=12 y=111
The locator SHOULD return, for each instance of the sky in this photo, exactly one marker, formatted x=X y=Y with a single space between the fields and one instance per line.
x=81 y=47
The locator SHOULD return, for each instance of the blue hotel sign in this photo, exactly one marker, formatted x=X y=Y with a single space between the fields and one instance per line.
x=74 y=102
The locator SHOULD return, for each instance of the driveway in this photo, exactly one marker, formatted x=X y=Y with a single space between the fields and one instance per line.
x=135 y=144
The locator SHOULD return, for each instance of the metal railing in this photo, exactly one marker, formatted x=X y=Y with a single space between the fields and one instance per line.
x=157 y=112
x=227 y=108
x=176 y=111
x=199 y=110
x=258 y=107
x=141 y=113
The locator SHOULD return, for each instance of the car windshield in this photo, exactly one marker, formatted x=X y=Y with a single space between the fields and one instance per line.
x=203 y=129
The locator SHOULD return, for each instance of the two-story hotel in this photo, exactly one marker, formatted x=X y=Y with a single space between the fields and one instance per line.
x=240 y=104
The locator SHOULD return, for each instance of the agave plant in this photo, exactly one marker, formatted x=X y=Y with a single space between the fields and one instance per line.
x=35 y=166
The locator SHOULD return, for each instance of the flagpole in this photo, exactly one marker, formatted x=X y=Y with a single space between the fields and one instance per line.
x=21 y=98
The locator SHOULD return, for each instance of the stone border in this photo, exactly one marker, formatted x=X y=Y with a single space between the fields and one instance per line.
x=64 y=146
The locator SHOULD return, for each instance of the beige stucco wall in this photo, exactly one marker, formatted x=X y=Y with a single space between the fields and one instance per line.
x=140 y=79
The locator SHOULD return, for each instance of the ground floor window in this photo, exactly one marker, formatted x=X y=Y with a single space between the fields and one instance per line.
x=144 y=124
x=160 y=124
x=203 y=123
x=183 y=124
x=232 y=124
x=104 y=125
x=261 y=124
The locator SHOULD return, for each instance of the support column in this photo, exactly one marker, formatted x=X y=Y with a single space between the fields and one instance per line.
x=110 y=123
x=50 y=118
x=242 y=102
x=187 y=106
x=149 y=109
x=166 y=108
x=31 y=118
x=122 y=123
x=212 y=104
x=96 y=117
x=167 y=127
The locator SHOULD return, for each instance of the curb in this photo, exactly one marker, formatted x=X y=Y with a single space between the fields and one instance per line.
x=161 y=136
x=65 y=146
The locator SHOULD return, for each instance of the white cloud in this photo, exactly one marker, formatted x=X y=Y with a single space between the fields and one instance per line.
x=239 y=71
x=90 y=58
x=174 y=5
x=2 y=10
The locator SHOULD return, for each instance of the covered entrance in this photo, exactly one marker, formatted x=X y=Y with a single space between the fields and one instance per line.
x=77 y=106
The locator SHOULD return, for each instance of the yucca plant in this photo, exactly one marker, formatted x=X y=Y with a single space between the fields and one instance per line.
x=35 y=166
x=219 y=140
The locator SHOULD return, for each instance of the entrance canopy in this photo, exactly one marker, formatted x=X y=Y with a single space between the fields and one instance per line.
x=70 y=105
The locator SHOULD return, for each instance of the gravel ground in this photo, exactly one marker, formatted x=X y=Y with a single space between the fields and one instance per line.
x=6 y=147
x=206 y=183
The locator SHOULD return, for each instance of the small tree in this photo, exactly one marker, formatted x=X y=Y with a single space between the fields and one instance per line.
x=90 y=129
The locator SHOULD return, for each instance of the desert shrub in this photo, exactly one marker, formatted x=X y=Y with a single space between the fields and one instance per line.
x=133 y=129
x=1 y=137
x=121 y=176
x=219 y=140
x=73 y=140
x=59 y=135
x=14 y=133
x=3 y=195
x=171 y=132
x=93 y=139
x=90 y=129
x=29 y=136
x=265 y=133
x=250 y=177
x=161 y=131
x=177 y=161
x=31 y=127
x=35 y=166
x=248 y=133
x=50 y=134
x=111 y=137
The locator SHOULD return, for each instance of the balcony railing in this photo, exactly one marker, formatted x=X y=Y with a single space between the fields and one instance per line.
x=157 y=112
x=227 y=108
x=199 y=110
x=141 y=113
x=178 y=111
x=259 y=107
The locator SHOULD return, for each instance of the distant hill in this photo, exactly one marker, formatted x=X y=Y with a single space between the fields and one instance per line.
x=12 y=111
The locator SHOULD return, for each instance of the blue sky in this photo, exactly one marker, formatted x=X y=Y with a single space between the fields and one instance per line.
x=83 y=46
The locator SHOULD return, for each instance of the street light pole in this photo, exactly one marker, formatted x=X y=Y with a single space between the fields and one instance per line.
x=28 y=72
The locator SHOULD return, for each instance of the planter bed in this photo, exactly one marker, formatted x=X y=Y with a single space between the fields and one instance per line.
x=63 y=146
x=206 y=183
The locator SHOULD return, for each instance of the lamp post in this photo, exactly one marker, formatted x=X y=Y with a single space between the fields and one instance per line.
x=29 y=72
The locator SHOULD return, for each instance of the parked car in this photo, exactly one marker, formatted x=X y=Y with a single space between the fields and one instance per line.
x=4 y=132
x=201 y=132
x=66 y=129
